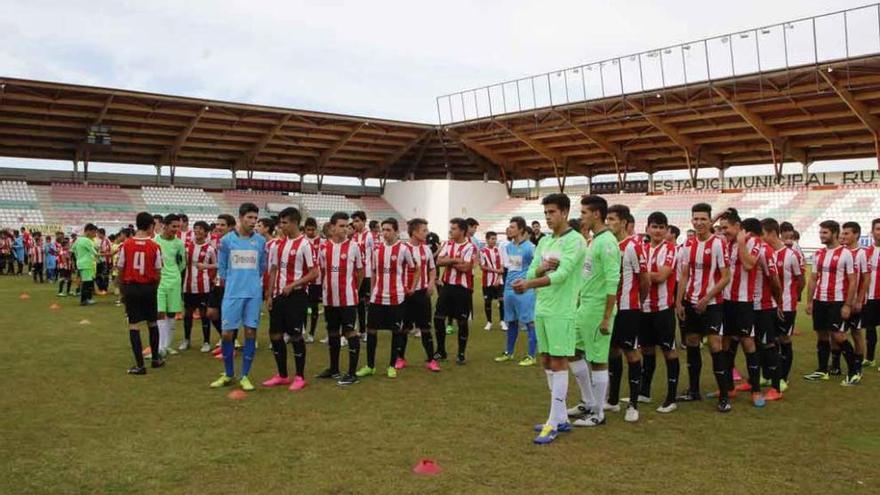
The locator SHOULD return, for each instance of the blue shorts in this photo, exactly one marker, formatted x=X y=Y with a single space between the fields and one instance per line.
x=240 y=311
x=519 y=307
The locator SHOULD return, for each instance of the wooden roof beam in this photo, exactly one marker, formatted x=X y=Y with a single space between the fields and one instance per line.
x=860 y=110
x=418 y=159
x=104 y=110
x=170 y=155
x=539 y=147
x=389 y=162
x=248 y=157
x=494 y=158
x=328 y=153
x=684 y=142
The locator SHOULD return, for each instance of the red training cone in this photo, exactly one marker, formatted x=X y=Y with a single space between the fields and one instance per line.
x=54 y=306
x=237 y=394
x=24 y=296
x=427 y=467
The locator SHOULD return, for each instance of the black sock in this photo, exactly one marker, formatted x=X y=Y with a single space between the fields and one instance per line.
x=440 y=330
x=335 y=343
x=672 y=371
x=404 y=339
x=501 y=309
x=299 y=356
x=428 y=343
x=835 y=358
x=395 y=349
x=694 y=366
x=871 y=341
x=858 y=358
x=823 y=351
x=634 y=372
x=846 y=349
x=354 y=352
x=372 y=342
x=754 y=368
x=206 y=324
x=216 y=324
x=279 y=350
x=154 y=340
x=187 y=324
x=785 y=359
x=61 y=287
x=774 y=372
x=313 y=319
x=462 y=337
x=649 y=363
x=615 y=369
x=487 y=306
x=362 y=316
x=721 y=368
x=137 y=348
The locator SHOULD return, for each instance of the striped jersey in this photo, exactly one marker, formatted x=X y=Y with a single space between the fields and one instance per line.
x=491 y=258
x=661 y=295
x=423 y=261
x=339 y=265
x=198 y=280
x=703 y=261
x=293 y=258
x=872 y=255
x=390 y=265
x=105 y=250
x=632 y=264
x=453 y=276
x=765 y=268
x=38 y=252
x=742 y=280
x=832 y=266
x=365 y=243
x=860 y=264
x=788 y=268
x=316 y=244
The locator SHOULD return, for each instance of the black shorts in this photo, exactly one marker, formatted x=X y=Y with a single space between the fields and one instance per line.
x=382 y=317
x=826 y=316
x=454 y=301
x=766 y=326
x=854 y=322
x=364 y=291
x=658 y=329
x=140 y=302
x=706 y=323
x=64 y=273
x=786 y=325
x=315 y=293
x=417 y=310
x=288 y=313
x=215 y=298
x=493 y=292
x=192 y=301
x=739 y=319
x=871 y=313
x=625 y=332
x=340 y=318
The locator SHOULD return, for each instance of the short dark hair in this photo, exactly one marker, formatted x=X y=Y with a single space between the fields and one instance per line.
x=675 y=230
x=659 y=218
x=520 y=222
x=183 y=217
x=702 y=208
x=339 y=215
x=143 y=220
x=100 y=231
x=854 y=226
x=226 y=217
x=203 y=225
x=414 y=223
x=171 y=217
x=472 y=222
x=246 y=208
x=490 y=234
x=770 y=225
x=796 y=235
x=292 y=214
x=594 y=202
x=373 y=223
x=786 y=227
x=310 y=222
x=269 y=223
x=752 y=226
x=630 y=218
x=158 y=218
x=90 y=227
x=731 y=216
x=574 y=224
x=359 y=214
x=874 y=223
x=461 y=223
x=558 y=199
x=392 y=222
x=622 y=212
x=831 y=225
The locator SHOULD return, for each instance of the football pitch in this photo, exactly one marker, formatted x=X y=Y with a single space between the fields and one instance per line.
x=74 y=422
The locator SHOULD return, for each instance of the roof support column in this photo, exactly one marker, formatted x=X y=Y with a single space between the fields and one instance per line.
x=651 y=181
x=589 y=184
x=158 y=175
x=86 y=168
x=721 y=171
x=234 y=180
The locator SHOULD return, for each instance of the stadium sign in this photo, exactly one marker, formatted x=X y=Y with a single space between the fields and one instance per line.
x=853 y=178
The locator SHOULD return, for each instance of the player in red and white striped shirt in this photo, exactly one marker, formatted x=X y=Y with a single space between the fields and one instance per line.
x=38 y=257
x=310 y=230
x=422 y=277
x=849 y=237
x=832 y=292
x=704 y=274
x=201 y=259
x=631 y=293
x=64 y=263
x=658 y=320
x=392 y=260
x=343 y=271
x=791 y=281
x=457 y=256
x=365 y=242
x=266 y=228
x=139 y=264
x=104 y=261
x=292 y=268
x=768 y=313
x=493 y=278
x=871 y=309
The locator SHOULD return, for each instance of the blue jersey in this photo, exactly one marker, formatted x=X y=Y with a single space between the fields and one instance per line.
x=241 y=263
x=50 y=250
x=519 y=257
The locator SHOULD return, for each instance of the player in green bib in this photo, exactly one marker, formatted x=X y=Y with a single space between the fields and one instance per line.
x=84 y=251
x=169 y=296
x=555 y=273
x=600 y=276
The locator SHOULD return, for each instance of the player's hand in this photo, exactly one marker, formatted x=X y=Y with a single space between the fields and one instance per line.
x=549 y=265
x=268 y=304
x=603 y=326
x=701 y=305
x=679 y=312
x=519 y=286
x=200 y=266
x=780 y=315
x=846 y=311
x=857 y=307
x=809 y=308
x=287 y=289
x=430 y=289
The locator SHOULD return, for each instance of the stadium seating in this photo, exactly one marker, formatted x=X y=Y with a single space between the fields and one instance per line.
x=234 y=198
x=19 y=205
x=76 y=204
x=196 y=203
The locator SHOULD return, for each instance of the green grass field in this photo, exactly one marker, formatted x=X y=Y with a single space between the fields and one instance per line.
x=74 y=422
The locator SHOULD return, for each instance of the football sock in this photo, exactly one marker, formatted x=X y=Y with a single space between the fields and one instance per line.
x=533 y=339
x=786 y=356
x=163 y=334
x=372 y=342
x=462 y=337
x=250 y=348
x=395 y=348
x=404 y=340
x=313 y=319
x=771 y=358
x=299 y=356
x=823 y=351
x=279 y=350
x=558 y=395
x=649 y=364
x=335 y=344
x=672 y=371
x=187 y=324
x=153 y=330
x=858 y=358
x=228 y=348
x=440 y=330
x=354 y=352
x=206 y=324
x=600 y=387
x=720 y=368
x=694 y=366
x=615 y=369
x=501 y=309
x=846 y=349
x=487 y=306
x=634 y=372
x=169 y=328
x=137 y=348
x=581 y=373
x=754 y=368
x=362 y=316
x=871 y=340
x=835 y=358
x=549 y=375
x=428 y=343
x=512 y=331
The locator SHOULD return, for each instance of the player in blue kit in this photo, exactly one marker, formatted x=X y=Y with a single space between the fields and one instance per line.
x=241 y=263
x=518 y=308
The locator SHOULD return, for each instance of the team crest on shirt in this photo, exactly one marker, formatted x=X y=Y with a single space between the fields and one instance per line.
x=393 y=258
x=707 y=251
x=834 y=258
x=343 y=256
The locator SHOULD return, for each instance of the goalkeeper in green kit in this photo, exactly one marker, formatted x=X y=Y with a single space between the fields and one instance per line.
x=555 y=272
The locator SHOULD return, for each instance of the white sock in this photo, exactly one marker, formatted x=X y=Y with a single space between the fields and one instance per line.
x=549 y=374
x=169 y=328
x=163 y=342
x=581 y=373
x=600 y=388
x=558 y=409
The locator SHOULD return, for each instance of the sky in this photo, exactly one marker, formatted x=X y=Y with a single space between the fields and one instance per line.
x=387 y=59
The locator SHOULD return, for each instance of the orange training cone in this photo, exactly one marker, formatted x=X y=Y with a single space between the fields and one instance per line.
x=55 y=306
x=427 y=467
x=24 y=296
x=237 y=394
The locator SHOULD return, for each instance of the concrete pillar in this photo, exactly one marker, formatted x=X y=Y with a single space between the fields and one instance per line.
x=651 y=182
x=721 y=177
x=589 y=184
x=158 y=175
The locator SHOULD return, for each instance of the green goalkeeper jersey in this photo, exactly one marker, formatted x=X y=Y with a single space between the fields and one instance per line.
x=559 y=299
x=601 y=270
x=173 y=260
